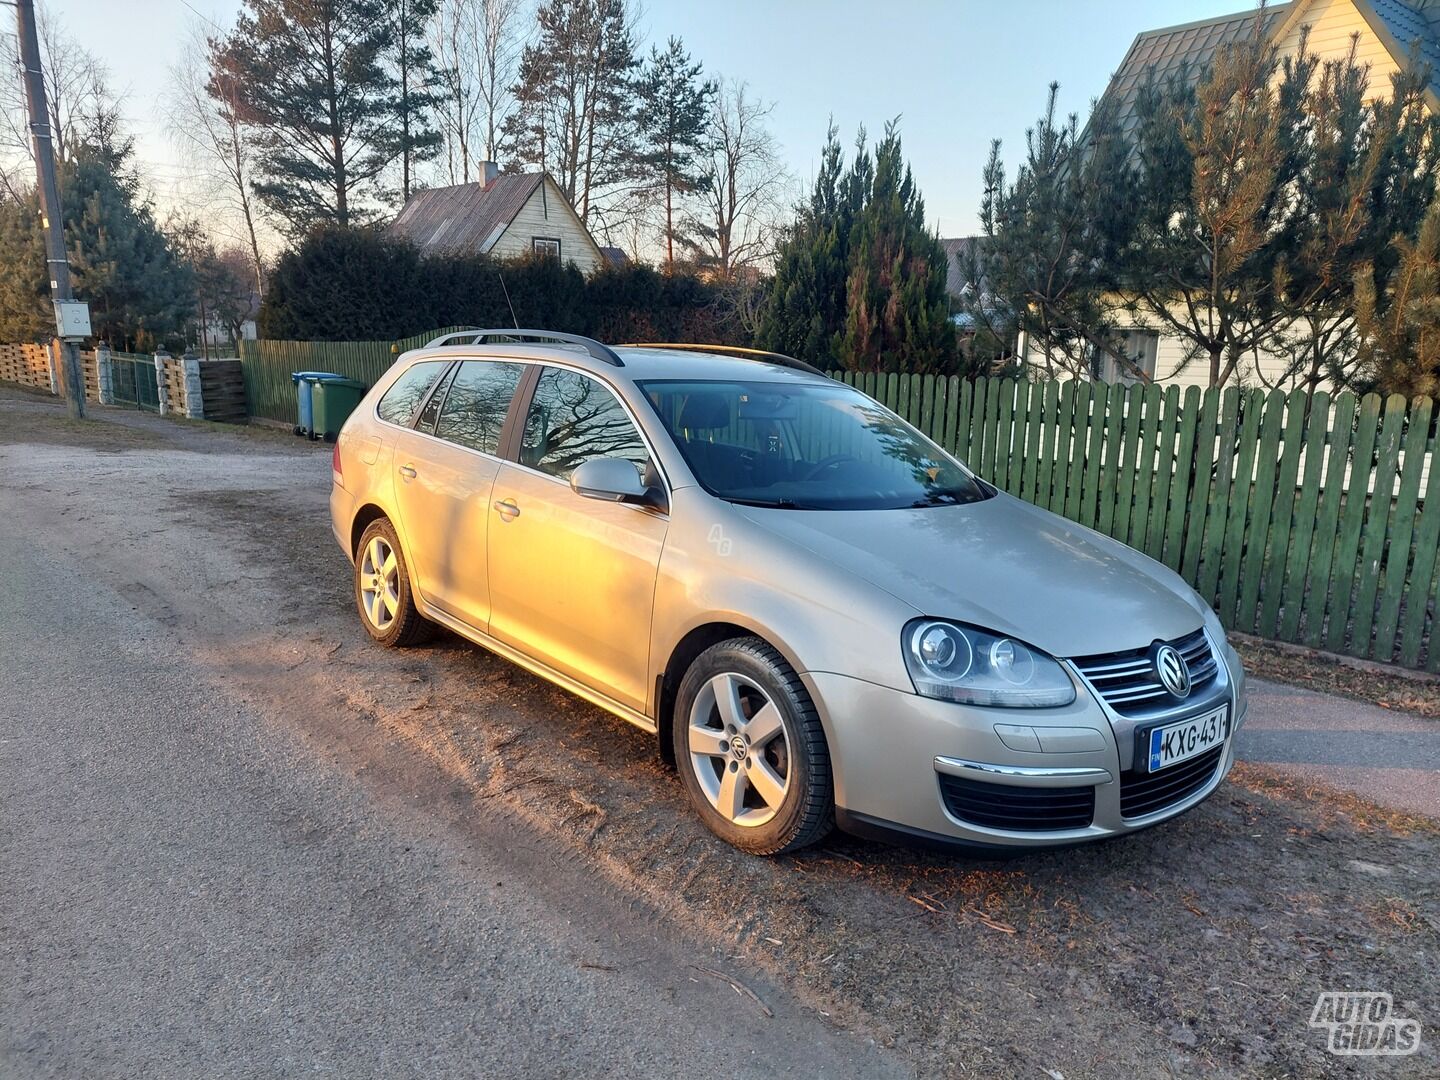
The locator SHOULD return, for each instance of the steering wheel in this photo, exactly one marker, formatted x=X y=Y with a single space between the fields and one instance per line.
x=827 y=463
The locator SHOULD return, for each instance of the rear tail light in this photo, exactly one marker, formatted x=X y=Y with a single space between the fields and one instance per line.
x=339 y=473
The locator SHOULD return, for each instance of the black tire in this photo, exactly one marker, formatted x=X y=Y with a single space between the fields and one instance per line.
x=807 y=813
x=407 y=627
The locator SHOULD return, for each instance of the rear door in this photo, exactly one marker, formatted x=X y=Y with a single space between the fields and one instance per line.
x=444 y=470
x=573 y=579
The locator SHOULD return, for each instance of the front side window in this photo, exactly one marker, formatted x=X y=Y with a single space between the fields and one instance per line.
x=397 y=405
x=572 y=418
x=476 y=403
x=805 y=446
x=547 y=246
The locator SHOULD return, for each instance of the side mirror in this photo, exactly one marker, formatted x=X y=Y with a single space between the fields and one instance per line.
x=609 y=479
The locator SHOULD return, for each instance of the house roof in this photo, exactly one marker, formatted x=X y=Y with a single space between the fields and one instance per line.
x=615 y=256
x=1402 y=26
x=1191 y=47
x=464 y=219
x=958 y=252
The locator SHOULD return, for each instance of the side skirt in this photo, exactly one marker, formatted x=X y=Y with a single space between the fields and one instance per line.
x=515 y=656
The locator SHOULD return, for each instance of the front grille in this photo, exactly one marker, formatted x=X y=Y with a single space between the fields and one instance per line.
x=1128 y=681
x=1145 y=793
x=1018 y=809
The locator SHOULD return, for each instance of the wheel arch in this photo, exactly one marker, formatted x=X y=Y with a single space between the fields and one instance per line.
x=684 y=653
x=367 y=513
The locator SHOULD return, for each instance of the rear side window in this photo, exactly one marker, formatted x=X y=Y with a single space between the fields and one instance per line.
x=476 y=403
x=398 y=404
x=572 y=419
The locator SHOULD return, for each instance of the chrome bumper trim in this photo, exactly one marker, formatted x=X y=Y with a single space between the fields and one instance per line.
x=1022 y=775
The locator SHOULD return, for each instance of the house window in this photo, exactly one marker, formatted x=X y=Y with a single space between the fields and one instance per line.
x=1141 y=347
x=546 y=246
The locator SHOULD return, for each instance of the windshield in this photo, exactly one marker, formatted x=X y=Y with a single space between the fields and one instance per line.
x=805 y=446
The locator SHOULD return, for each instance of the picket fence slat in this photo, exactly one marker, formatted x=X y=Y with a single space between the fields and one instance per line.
x=1261 y=497
x=1377 y=517
x=1347 y=548
x=1402 y=526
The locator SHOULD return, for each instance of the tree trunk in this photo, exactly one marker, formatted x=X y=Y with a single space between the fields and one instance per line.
x=1215 y=352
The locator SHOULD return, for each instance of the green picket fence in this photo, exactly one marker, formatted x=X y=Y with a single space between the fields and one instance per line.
x=1302 y=519
x=266 y=366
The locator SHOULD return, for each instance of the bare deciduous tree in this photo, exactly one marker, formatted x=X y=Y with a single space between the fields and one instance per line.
x=201 y=113
x=77 y=92
x=742 y=200
x=477 y=46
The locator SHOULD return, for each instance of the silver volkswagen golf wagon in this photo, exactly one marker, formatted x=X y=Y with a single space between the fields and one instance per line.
x=823 y=617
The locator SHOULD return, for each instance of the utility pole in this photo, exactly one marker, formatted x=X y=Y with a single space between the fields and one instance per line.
x=66 y=309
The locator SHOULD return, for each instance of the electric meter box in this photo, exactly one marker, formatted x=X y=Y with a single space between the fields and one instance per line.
x=72 y=319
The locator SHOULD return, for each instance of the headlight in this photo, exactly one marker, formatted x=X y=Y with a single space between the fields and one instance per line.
x=961 y=663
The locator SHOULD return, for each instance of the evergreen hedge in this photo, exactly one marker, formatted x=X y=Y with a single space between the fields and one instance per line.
x=356 y=284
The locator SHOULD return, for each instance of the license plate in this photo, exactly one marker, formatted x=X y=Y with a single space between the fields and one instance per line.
x=1174 y=743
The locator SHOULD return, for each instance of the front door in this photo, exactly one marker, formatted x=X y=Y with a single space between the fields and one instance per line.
x=573 y=579
x=444 y=471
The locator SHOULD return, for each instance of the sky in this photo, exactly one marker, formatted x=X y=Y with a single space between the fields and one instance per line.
x=956 y=74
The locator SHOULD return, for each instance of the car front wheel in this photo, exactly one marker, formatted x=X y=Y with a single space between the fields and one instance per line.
x=751 y=749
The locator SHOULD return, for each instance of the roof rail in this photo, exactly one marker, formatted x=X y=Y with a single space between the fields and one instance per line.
x=478 y=336
x=734 y=350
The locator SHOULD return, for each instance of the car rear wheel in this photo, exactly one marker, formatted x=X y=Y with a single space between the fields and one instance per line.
x=751 y=749
x=382 y=590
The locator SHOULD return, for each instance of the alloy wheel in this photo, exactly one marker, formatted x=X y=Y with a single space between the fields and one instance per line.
x=739 y=749
x=379 y=583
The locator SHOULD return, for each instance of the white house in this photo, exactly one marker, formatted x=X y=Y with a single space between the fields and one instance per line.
x=1384 y=32
x=504 y=214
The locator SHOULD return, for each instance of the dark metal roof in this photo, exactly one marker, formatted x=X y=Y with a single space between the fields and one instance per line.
x=1402 y=26
x=465 y=219
x=1190 y=47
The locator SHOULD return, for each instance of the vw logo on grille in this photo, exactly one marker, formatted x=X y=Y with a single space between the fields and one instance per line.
x=1174 y=673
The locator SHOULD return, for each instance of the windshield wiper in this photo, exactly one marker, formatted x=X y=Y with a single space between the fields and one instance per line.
x=767 y=504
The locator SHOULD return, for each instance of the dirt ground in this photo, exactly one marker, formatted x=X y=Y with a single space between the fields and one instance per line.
x=1195 y=948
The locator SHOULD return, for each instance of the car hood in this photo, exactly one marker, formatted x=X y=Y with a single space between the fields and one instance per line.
x=1003 y=565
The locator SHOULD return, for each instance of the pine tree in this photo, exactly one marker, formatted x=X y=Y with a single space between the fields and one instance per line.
x=140 y=292
x=308 y=77
x=805 y=315
x=575 y=102
x=1051 y=240
x=898 y=316
x=25 y=310
x=1214 y=166
x=1401 y=326
x=674 y=113
x=418 y=85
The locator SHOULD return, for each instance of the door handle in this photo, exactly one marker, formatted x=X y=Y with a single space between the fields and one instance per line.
x=407 y=471
x=507 y=509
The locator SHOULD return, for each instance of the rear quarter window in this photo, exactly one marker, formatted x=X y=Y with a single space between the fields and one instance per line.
x=397 y=405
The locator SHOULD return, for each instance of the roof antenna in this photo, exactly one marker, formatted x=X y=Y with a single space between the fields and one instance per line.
x=501 y=276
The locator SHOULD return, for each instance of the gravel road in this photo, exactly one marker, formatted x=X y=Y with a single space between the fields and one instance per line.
x=238 y=840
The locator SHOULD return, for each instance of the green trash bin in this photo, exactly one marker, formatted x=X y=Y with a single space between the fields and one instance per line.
x=333 y=401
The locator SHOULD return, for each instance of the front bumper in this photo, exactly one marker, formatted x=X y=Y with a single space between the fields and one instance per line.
x=892 y=752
